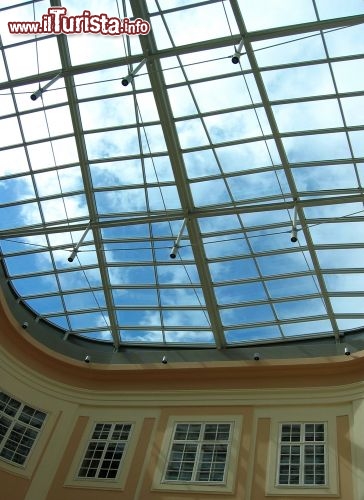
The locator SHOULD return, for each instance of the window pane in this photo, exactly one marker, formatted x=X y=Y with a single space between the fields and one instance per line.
x=105 y=451
x=212 y=463
x=18 y=444
x=205 y=458
x=32 y=417
x=188 y=431
x=8 y=405
x=4 y=426
x=301 y=463
x=19 y=427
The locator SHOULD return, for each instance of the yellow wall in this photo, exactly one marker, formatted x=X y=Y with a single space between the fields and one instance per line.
x=256 y=394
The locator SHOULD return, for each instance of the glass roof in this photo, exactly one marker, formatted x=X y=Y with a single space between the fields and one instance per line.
x=249 y=174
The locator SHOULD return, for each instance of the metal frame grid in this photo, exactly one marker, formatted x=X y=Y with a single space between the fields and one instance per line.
x=248 y=156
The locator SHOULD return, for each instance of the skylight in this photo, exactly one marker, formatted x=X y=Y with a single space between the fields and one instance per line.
x=226 y=163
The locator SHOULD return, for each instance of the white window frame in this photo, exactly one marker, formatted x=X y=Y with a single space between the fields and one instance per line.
x=136 y=417
x=107 y=442
x=198 y=444
x=300 y=445
x=19 y=421
x=302 y=415
x=160 y=481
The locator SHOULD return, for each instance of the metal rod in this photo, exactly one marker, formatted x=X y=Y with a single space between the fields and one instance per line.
x=177 y=242
x=40 y=91
x=75 y=250
x=236 y=57
x=125 y=81
x=294 y=226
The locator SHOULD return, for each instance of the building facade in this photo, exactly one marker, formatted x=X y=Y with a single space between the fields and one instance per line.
x=244 y=430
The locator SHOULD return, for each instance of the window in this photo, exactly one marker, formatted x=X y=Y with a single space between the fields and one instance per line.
x=19 y=428
x=303 y=450
x=302 y=454
x=199 y=452
x=105 y=451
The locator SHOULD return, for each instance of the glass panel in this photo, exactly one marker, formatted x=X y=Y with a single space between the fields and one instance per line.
x=4 y=426
x=32 y=417
x=188 y=137
x=105 y=451
x=208 y=448
x=212 y=463
x=181 y=462
x=302 y=463
x=9 y=405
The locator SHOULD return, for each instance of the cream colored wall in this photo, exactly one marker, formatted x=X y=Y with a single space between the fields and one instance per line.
x=75 y=395
x=357 y=446
x=72 y=409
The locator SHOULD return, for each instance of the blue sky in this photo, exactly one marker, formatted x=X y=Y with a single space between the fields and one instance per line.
x=264 y=286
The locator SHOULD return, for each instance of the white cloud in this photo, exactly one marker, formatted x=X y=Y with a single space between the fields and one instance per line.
x=223 y=246
x=253 y=186
x=246 y=315
x=307 y=328
x=90 y=320
x=222 y=93
x=262 y=14
x=308 y=115
x=179 y=318
x=181 y=296
x=200 y=163
x=198 y=27
x=111 y=112
x=9 y=132
x=324 y=177
x=336 y=8
x=181 y=101
x=47 y=54
x=207 y=63
x=187 y=337
x=141 y=336
x=159 y=169
x=289 y=49
x=350 y=107
x=116 y=173
x=345 y=75
x=298 y=82
x=65 y=208
x=147 y=108
x=348 y=282
x=330 y=146
x=210 y=193
x=237 y=125
x=346 y=41
x=113 y=143
x=163 y=198
x=16 y=189
x=127 y=200
x=218 y=223
x=55 y=182
x=191 y=133
x=85 y=48
x=300 y=308
x=6 y=101
x=177 y=274
x=238 y=269
x=341 y=258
